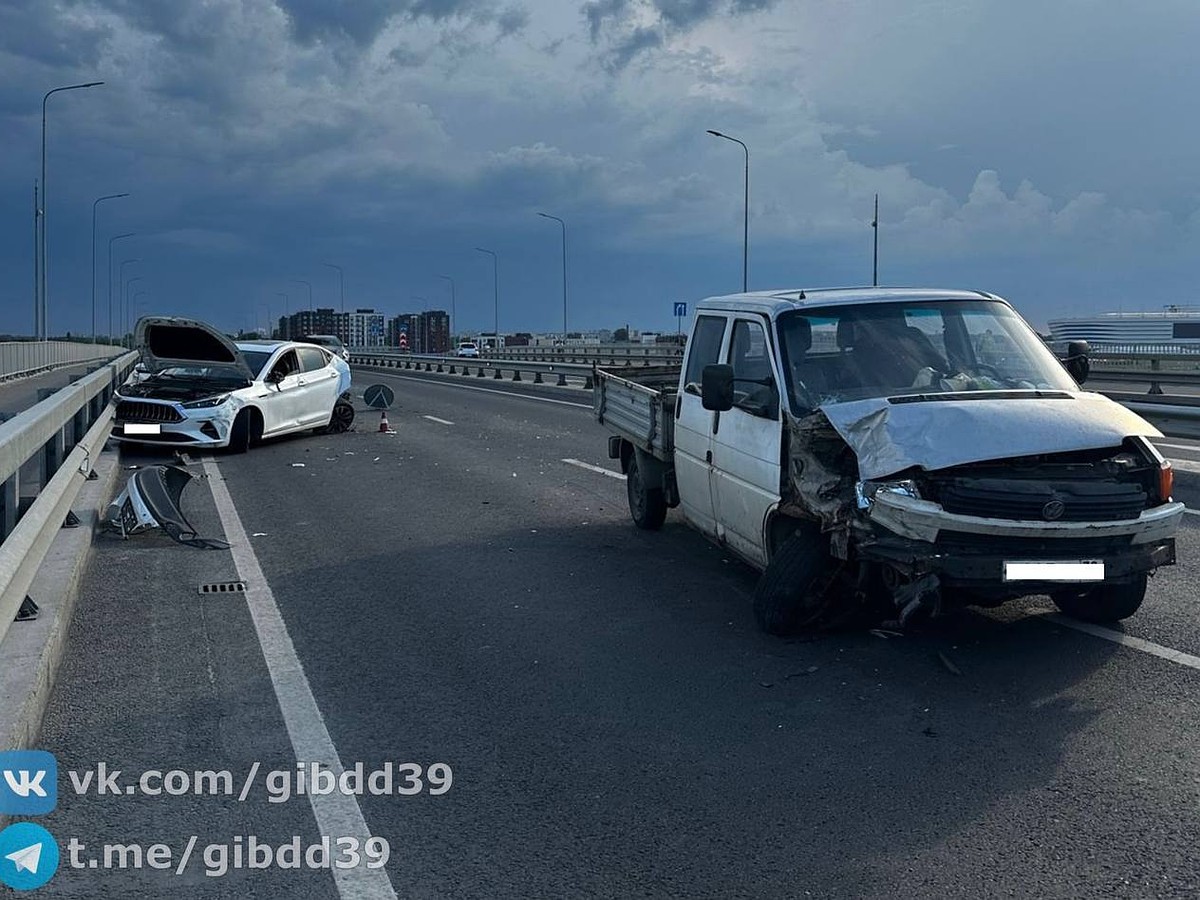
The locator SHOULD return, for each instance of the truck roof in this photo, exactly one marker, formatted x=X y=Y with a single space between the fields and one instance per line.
x=774 y=302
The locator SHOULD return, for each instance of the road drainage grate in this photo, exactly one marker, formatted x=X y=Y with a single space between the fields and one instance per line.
x=223 y=587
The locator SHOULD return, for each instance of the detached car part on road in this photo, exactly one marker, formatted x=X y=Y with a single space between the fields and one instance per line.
x=893 y=452
x=198 y=388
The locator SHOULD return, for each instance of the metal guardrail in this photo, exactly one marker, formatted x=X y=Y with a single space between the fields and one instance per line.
x=452 y=365
x=602 y=354
x=20 y=358
x=62 y=435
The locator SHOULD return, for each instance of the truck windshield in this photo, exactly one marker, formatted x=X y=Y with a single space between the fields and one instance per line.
x=838 y=353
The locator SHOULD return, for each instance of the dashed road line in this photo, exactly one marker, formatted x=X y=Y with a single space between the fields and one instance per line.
x=597 y=469
x=471 y=387
x=1125 y=640
x=439 y=421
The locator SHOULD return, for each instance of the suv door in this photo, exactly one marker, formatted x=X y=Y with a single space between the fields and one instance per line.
x=281 y=400
x=694 y=426
x=747 y=443
x=318 y=386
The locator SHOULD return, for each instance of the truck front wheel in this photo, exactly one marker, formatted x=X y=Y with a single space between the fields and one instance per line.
x=1104 y=602
x=647 y=505
x=798 y=589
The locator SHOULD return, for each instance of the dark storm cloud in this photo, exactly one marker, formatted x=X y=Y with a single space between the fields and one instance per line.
x=362 y=20
x=619 y=21
x=42 y=39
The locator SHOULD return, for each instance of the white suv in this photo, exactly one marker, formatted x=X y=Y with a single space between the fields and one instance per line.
x=468 y=348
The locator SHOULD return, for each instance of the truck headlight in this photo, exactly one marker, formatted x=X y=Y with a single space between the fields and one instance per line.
x=865 y=491
x=207 y=402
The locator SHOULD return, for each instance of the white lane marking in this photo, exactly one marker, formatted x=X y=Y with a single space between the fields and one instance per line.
x=436 y=419
x=337 y=815
x=602 y=471
x=1125 y=640
x=471 y=387
x=1192 y=512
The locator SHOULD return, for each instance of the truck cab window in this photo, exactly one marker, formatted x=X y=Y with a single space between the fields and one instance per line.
x=753 y=376
x=705 y=348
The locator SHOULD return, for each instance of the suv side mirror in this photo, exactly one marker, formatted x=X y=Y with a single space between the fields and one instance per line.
x=1077 y=360
x=716 y=387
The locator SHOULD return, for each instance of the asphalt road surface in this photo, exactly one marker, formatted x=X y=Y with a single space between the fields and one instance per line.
x=459 y=593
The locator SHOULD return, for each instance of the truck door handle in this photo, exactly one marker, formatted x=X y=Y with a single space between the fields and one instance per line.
x=708 y=457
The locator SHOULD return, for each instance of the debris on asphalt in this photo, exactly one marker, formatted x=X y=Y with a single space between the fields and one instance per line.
x=807 y=671
x=376 y=459
x=151 y=500
x=950 y=666
x=259 y=534
x=885 y=633
x=929 y=732
x=297 y=465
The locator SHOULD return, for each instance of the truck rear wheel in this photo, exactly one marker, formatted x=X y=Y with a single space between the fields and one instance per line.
x=797 y=590
x=647 y=505
x=1104 y=602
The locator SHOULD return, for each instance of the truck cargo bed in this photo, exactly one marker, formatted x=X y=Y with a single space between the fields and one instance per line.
x=638 y=403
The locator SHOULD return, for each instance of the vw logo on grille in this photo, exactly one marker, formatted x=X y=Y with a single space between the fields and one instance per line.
x=1053 y=510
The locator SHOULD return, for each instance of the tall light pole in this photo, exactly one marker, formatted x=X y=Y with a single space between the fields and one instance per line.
x=96 y=203
x=451 y=280
x=129 y=318
x=495 y=287
x=875 y=263
x=307 y=285
x=341 y=285
x=745 y=212
x=111 y=241
x=121 y=315
x=43 y=305
x=286 y=317
x=564 y=268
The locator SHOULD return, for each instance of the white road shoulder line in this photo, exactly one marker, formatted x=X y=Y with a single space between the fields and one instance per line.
x=1192 y=512
x=471 y=387
x=337 y=815
x=598 y=469
x=436 y=419
x=1125 y=640
x=1193 y=447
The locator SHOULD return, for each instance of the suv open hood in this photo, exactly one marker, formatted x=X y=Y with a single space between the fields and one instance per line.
x=167 y=342
x=889 y=437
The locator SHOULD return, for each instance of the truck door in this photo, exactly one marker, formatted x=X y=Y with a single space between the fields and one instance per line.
x=694 y=426
x=747 y=445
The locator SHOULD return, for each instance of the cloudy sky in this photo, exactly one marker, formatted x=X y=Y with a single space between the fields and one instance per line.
x=1045 y=151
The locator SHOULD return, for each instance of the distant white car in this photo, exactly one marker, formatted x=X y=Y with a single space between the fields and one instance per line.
x=468 y=348
x=200 y=389
x=329 y=342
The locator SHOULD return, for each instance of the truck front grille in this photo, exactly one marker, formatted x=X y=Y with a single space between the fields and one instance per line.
x=1084 y=501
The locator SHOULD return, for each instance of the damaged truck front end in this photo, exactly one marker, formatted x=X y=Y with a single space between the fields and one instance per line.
x=929 y=506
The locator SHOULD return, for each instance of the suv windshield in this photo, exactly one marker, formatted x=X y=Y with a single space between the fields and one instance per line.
x=834 y=354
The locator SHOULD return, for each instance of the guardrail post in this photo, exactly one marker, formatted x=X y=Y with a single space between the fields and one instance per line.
x=497 y=375
x=10 y=499
x=516 y=375
x=537 y=377
x=588 y=385
x=52 y=456
x=1155 y=388
x=453 y=369
x=562 y=380
x=479 y=374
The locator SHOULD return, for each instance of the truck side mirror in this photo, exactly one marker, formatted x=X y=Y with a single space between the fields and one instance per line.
x=716 y=387
x=1077 y=360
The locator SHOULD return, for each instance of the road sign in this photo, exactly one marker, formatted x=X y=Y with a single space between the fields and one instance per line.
x=680 y=310
x=379 y=396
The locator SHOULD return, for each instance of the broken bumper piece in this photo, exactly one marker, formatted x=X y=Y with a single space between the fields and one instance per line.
x=151 y=500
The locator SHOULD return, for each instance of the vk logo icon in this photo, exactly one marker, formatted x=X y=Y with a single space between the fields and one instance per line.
x=28 y=782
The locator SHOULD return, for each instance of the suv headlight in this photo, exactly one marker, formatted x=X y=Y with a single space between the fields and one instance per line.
x=206 y=403
x=865 y=491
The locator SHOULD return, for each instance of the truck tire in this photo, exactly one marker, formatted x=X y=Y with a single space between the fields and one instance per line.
x=647 y=505
x=797 y=591
x=1104 y=602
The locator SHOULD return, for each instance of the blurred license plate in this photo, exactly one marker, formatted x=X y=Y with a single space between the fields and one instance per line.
x=135 y=428
x=1079 y=570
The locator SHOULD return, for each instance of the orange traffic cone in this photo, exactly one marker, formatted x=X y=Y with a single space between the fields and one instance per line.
x=384 y=427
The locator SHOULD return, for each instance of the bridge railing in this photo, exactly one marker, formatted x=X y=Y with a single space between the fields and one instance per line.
x=18 y=358
x=58 y=438
x=479 y=367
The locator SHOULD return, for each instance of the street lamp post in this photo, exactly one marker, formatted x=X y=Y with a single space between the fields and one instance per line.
x=128 y=305
x=341 y=285
x=564 y=268
x=286 y=317
x=495 y=287
x=745 y=212
x=875 y=254
x=451 y=280
x=111 y=241
x=96 y=203
x=43 y=300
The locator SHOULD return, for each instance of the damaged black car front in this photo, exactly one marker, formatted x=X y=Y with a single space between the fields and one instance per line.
x=950 y=459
